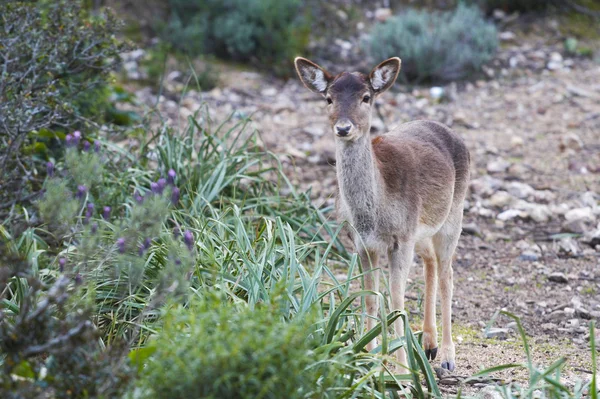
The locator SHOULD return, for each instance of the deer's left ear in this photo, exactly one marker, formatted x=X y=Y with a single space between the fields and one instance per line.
x=383 y=76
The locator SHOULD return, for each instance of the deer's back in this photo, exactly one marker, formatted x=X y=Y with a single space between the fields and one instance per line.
x=425 y=165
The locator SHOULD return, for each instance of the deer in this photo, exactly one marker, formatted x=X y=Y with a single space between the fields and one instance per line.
x=402 y=192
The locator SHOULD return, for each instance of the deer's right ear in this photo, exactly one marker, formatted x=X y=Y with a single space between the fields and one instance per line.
x=313 y=76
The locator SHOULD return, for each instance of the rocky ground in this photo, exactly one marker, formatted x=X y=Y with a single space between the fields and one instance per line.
x=531 y=241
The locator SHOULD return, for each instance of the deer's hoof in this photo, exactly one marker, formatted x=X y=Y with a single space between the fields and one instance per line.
x=449 y=365
x=431 y=353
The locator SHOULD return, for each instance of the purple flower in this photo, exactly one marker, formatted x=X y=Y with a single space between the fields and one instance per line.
x=162 y=183
x=81 y=190
x=121 y=245
x=89 y=212
x=147 y=243
x=50 y=169
x=106 y=212
x=171 y=176
x=138 y=197
x=175 y=195
x=178 y=262
x=76 y=137
x=141 y=250
x=176 y=232
x=188 y=238
x=86 y=146
x=155 y=188
x=94 y=228
x=78 y=279
x=61 y=264
x=69 y=140
x=96 y=146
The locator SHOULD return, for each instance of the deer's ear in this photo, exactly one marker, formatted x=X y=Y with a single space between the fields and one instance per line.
x=383 y=76
x=313 y=76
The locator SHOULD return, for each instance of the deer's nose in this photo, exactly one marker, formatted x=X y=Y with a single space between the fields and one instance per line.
x=342 y=129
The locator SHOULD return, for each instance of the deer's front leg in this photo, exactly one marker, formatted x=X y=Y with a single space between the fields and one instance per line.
x=368 y=259
x=400 y=256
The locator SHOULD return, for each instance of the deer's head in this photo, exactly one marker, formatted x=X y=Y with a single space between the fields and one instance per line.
x=349 y=96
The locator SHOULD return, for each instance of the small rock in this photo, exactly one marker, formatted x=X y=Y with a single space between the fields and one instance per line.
x=571 y=141
x=471 y=229
x=382 y=14
x=485 y=185
x=557 y=315
x=500 y=199
x=568 y=247
x=436 y=93
x=582 y=313
x=569 y=312
x=549 y=326
x=558 y=277
x=576 y=226
x=498 y=166
x=498 y=333
x=507 y=36
x=268 y=92
x=516 y=141
x=511 y=214
x=519 y=190
x=529 y=256
x=580 y=213
x=592 y=238
x=513 y=325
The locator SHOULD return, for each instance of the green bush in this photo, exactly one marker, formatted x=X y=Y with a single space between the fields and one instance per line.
x=437 y=46
x=215 y=349
x=55 y=61
x=266 y=33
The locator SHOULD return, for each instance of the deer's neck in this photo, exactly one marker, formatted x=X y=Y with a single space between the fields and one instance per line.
x=358 y=179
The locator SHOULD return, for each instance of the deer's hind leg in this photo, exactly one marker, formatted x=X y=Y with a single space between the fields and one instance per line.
x=444 y=243
x=426 y=251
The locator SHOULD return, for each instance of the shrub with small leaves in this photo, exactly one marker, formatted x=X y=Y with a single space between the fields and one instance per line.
x=55 y=61
x=437 y=46
x=216 y=349
x=266 y=33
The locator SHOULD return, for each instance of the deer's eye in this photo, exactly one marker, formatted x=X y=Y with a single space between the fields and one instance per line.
x=329 y=100
x=366 y=99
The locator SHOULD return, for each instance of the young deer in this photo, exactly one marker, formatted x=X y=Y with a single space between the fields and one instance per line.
x=402 y=192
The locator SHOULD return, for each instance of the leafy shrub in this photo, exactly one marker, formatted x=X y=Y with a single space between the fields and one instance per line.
x=55 y=62
x=216 y=349
x=435 y=45
x=265 y=32
x=48 y=345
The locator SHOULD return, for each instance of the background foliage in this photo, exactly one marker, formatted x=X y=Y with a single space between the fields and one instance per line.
x=436 y=45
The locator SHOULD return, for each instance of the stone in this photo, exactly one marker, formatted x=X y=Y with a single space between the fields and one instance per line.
x=507 y=36
x=519 y=190
x=529 y=256
x=576 y=226
x=580 y=213
x=471 y=229
x=516 y=141
x=557 y=315
x=582 y=313
x=382 y=14
x=558 y=277
x=498 y=333
x=568 y=247
x=549 y=326
x=485 y=185
x=498 y=166
x=511 y=214
x=570 y=141
x=500 y=199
